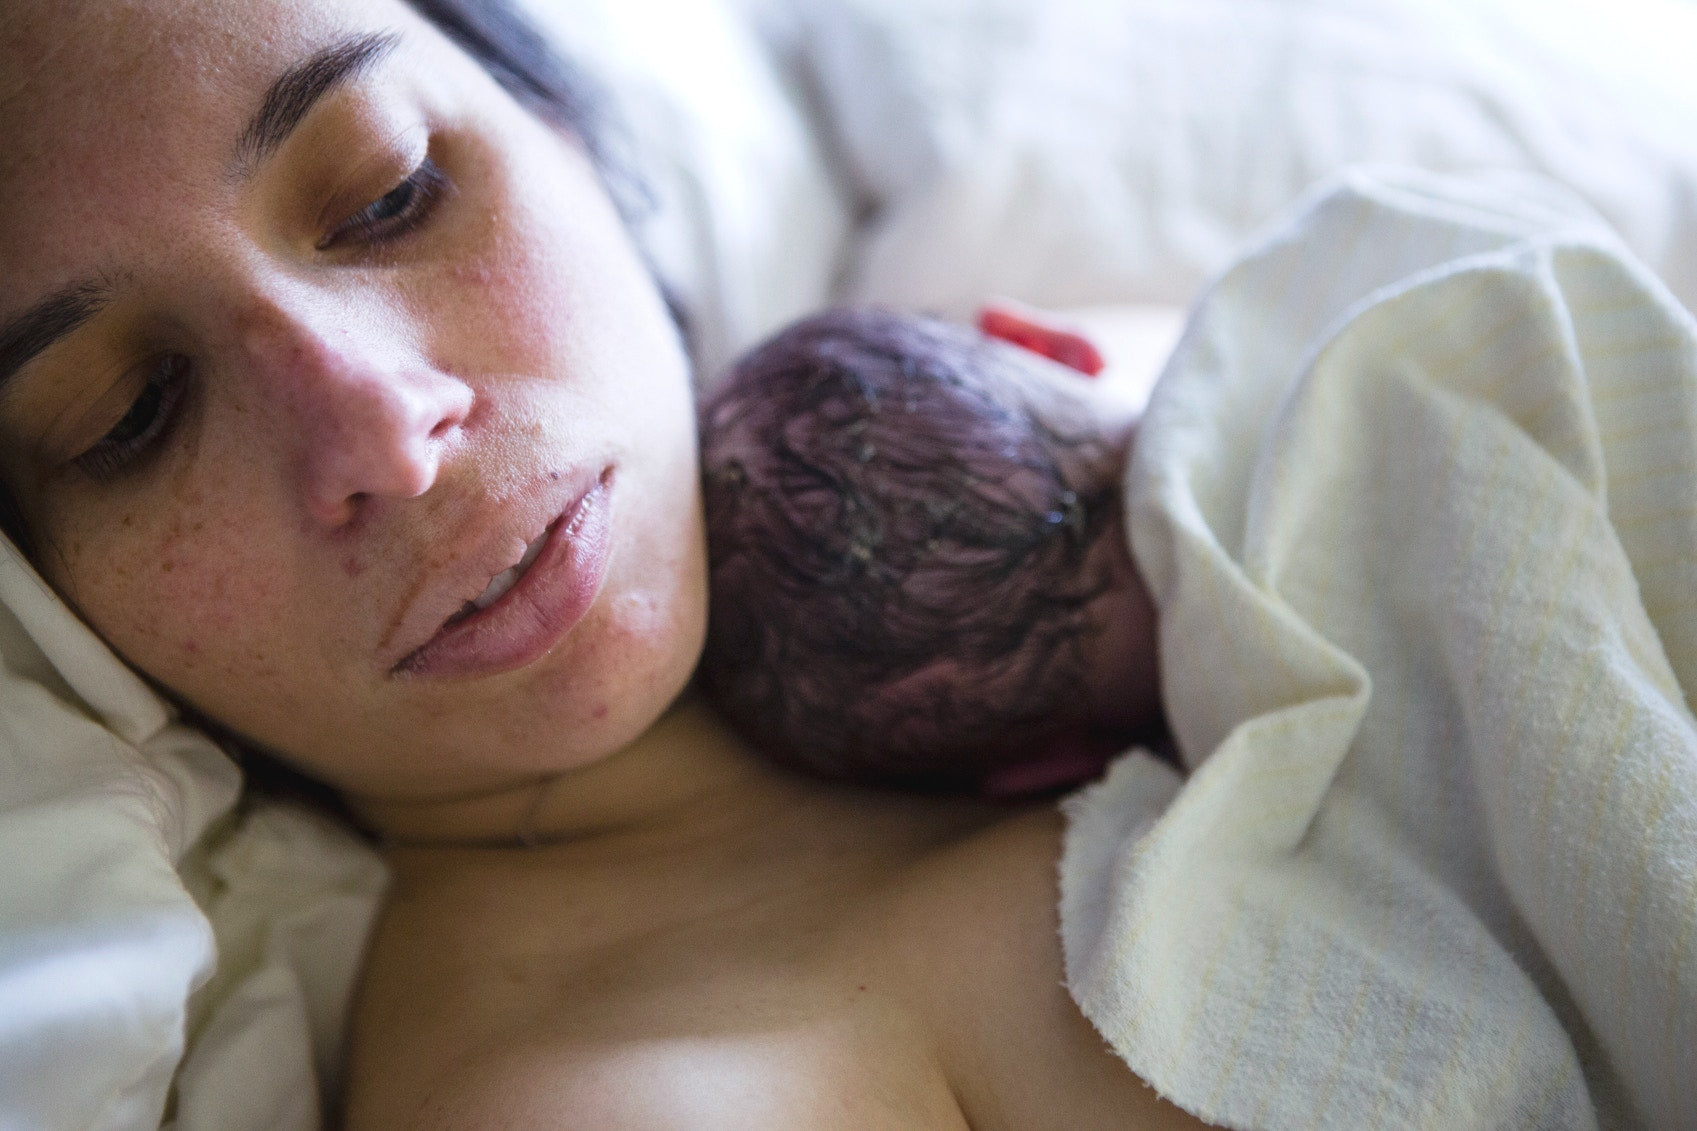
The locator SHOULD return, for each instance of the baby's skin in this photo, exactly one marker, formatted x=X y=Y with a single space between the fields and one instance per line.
x=919 y=571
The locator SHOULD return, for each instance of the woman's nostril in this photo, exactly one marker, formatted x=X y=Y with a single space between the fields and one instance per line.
x=451 y=413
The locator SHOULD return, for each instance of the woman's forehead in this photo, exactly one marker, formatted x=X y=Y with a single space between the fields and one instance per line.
x=106 y=70
x=106 y=106
x=79 y=54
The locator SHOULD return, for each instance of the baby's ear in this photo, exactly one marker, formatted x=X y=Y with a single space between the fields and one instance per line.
x=1041 y=334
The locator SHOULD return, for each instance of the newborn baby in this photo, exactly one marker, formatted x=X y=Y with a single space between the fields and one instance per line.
x=919 y=571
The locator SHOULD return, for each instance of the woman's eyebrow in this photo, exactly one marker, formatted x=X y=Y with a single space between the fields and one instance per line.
x=46 y=322
x=288 y=100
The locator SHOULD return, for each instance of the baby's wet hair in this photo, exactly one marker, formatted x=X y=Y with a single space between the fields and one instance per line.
x=900 y=550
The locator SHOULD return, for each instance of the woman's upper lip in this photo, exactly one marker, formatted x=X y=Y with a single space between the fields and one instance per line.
x=441 y=599
x=541 y=608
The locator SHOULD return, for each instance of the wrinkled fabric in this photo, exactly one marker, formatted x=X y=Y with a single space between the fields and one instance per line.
x=1415 y=499
x=102 y=796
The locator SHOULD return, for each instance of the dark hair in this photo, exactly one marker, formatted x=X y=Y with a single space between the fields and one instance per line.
x=899 y=547
x=539 y=78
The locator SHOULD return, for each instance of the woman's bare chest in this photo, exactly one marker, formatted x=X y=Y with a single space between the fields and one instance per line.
x=787 y=1015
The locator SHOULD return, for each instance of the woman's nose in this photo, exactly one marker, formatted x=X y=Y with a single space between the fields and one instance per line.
x=365 y=420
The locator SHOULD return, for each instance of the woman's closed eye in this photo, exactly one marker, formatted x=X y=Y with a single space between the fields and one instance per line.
x=395 y=213
x=148 y=420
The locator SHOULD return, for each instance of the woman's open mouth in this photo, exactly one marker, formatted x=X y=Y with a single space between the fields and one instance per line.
x=528 y=608
x=503 y=581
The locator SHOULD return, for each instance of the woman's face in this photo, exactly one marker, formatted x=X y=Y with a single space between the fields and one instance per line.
x=307 y=333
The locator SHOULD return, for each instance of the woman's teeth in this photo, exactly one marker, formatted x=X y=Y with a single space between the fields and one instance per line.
x=505 y=580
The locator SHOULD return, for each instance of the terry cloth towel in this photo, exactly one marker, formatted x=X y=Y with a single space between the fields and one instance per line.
x=1417 y=500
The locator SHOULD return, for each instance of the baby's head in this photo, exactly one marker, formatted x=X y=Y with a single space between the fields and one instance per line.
x=908 y=526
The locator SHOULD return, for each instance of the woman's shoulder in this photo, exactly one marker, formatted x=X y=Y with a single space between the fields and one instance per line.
x=980 y=918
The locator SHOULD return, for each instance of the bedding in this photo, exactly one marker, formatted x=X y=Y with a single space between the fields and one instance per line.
x=1414 y=500
x=166 y=954
x=1073 y=152
x=748 y=222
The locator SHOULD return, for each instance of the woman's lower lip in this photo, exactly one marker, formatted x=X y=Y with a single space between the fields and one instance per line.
x=541 y=607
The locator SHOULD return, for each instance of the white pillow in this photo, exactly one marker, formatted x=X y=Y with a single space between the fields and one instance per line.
x=1069 y=152
x=101 y=796
x=751 y=228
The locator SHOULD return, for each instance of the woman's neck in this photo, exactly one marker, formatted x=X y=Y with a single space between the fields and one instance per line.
x=687 y=780
x=677 y=764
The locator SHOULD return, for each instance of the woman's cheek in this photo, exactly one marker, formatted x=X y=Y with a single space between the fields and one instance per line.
x=187 y=602
x=508 y=307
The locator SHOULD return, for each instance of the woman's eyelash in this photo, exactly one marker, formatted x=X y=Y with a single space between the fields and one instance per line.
x=151 y=414
x=149 y=417
x=395 y=213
